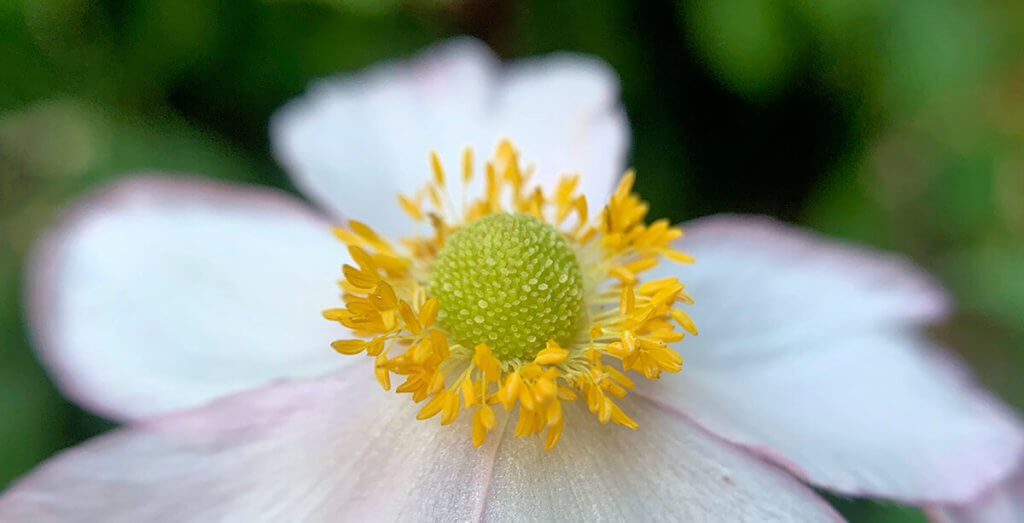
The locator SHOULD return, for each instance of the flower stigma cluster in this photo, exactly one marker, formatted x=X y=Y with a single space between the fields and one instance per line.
x=516 y=299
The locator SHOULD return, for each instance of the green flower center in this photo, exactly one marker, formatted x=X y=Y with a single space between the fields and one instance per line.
x=510 y=281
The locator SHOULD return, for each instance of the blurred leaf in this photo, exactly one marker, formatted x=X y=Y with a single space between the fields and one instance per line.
x=68 y=144
x=988 y=280
x=35 y=417
x=934 y=49
x=169 y=39
x=963 y=200
x=363 y=7
x=842 y=208
x=746 y=42
x=25 y=72
x=52 y=139
x=859 y=510
x=836 y=17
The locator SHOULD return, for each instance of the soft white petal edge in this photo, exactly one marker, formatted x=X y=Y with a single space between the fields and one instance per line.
x=790 y=284
x=1003 y=504
x=334 y=449
x=354 y=142
x=158 y=293
x=809 y=356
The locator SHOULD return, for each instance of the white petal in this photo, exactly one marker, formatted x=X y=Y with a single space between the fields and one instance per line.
x=866 y=415
x=767 y=285
x=668 y=470
x=563 y=112
x=160 y=293
x=353 y=143
x=336 y=449
x=808 y=356
x=1002 y=504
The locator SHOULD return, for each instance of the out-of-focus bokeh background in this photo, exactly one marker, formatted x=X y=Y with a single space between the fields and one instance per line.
x=899 y=123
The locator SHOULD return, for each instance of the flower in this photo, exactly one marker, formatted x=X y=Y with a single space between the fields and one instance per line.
x=179 y=304
x=504 y=302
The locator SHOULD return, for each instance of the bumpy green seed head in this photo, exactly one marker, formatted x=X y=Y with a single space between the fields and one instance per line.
x=510 y=281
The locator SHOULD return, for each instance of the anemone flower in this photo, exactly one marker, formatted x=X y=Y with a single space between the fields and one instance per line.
x=513 y=295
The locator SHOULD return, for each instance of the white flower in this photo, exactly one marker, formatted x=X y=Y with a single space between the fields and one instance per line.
x=181 y=304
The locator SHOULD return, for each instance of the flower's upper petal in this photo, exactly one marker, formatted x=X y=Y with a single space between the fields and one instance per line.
x=334 y=449
x=1002 y=504
x=353 y=143
x=563 y=112
x=808 y=356
x=160 y=293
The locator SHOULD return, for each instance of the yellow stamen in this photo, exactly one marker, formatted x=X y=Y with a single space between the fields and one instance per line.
x=435 y=164
x=579 y=277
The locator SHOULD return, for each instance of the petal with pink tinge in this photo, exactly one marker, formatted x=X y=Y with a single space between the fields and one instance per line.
x=1003 y=504
x=159 y=293
x=808 y=356
x=336 y=449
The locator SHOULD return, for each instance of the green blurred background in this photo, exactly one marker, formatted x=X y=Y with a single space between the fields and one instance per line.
x=899 y=123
